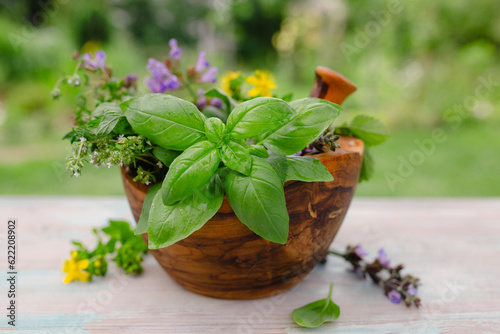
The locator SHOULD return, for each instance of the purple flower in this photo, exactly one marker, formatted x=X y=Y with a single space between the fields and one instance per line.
x=394 y=296
x=161 y=79
x=305 y=151
x=360 y=251
x=201 y=102
x=130 y=80
x=157 y=68
x=202 y=64
x=98 y=61
x=175 y=51
x=210 y=75
x=216 y=102
x=383 y=258
x=411 y=290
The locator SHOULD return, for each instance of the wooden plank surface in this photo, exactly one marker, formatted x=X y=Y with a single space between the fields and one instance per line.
x=452 y=244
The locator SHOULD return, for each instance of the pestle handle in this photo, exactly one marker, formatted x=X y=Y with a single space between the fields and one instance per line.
x=331 y=86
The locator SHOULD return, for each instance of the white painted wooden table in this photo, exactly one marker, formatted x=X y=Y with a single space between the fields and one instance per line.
x=452 y=244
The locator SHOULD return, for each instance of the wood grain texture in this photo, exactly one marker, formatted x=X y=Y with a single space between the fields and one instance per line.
x=451 y=244
x=225 y=259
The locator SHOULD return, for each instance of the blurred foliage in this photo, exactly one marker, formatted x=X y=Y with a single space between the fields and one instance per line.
x=412 y=63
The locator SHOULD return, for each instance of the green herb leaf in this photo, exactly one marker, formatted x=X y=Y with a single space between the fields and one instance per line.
x=211 y=111
x=166 y=156
x=311 y=118
x=279 y=164
x=171 y=223
x=166 y=120
x=259 y=201
x=111 y=117
x=258 y=150
x=236 y=157
x=288 y=97
x=119 y=230
x=256 y=117
x=142 y=225
x=318 y=312
x=307 y=169
x=214 y=129
x=370 y=130
x=367 y=166
x=218 y=93
x=190 y=171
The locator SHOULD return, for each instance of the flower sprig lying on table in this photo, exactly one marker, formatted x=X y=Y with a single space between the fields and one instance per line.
x=116 y=241
x=396 y=286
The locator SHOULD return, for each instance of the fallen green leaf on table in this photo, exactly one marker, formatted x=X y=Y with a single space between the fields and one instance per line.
x=318 y=312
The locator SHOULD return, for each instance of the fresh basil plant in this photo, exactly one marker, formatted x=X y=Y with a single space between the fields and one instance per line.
x=247 y=159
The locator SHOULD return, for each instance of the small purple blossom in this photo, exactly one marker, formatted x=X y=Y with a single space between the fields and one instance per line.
x=130 y=80
x=157 y=68
x=411 y=290
x=383 y=258
x=394 y=296
x=216 y=102
x=175 y=51
x=161 y=80
x=360 y=251
x=98 y=61
x=201 y=102
x=210 y=75
x=201 y=64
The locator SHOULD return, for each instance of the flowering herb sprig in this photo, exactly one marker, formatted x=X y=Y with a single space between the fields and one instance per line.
x=116 y=242
x=396 y=286
x=242 y=87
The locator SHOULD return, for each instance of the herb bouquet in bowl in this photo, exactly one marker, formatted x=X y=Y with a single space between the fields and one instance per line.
x=237 y=193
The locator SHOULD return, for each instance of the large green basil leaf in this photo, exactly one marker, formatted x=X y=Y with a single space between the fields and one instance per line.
x=307 y=169
x=279 y=164
x=311 y=118
x=165 y=155
x=171 y=223
x=256 y=117
x=259 y=201
x=190 y=171
x=236 y=156
x=166 y=120
x=214 y=129
x=370 y=130
x=142 y=225
x=111 y=117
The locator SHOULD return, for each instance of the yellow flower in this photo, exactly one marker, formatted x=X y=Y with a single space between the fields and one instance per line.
x=74 y=269
x=263 y=82
x=226 y=81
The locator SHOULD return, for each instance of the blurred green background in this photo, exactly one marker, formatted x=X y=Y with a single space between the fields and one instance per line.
x=419 y=66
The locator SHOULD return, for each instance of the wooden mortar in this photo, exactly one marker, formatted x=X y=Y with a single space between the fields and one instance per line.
x=224 y=259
